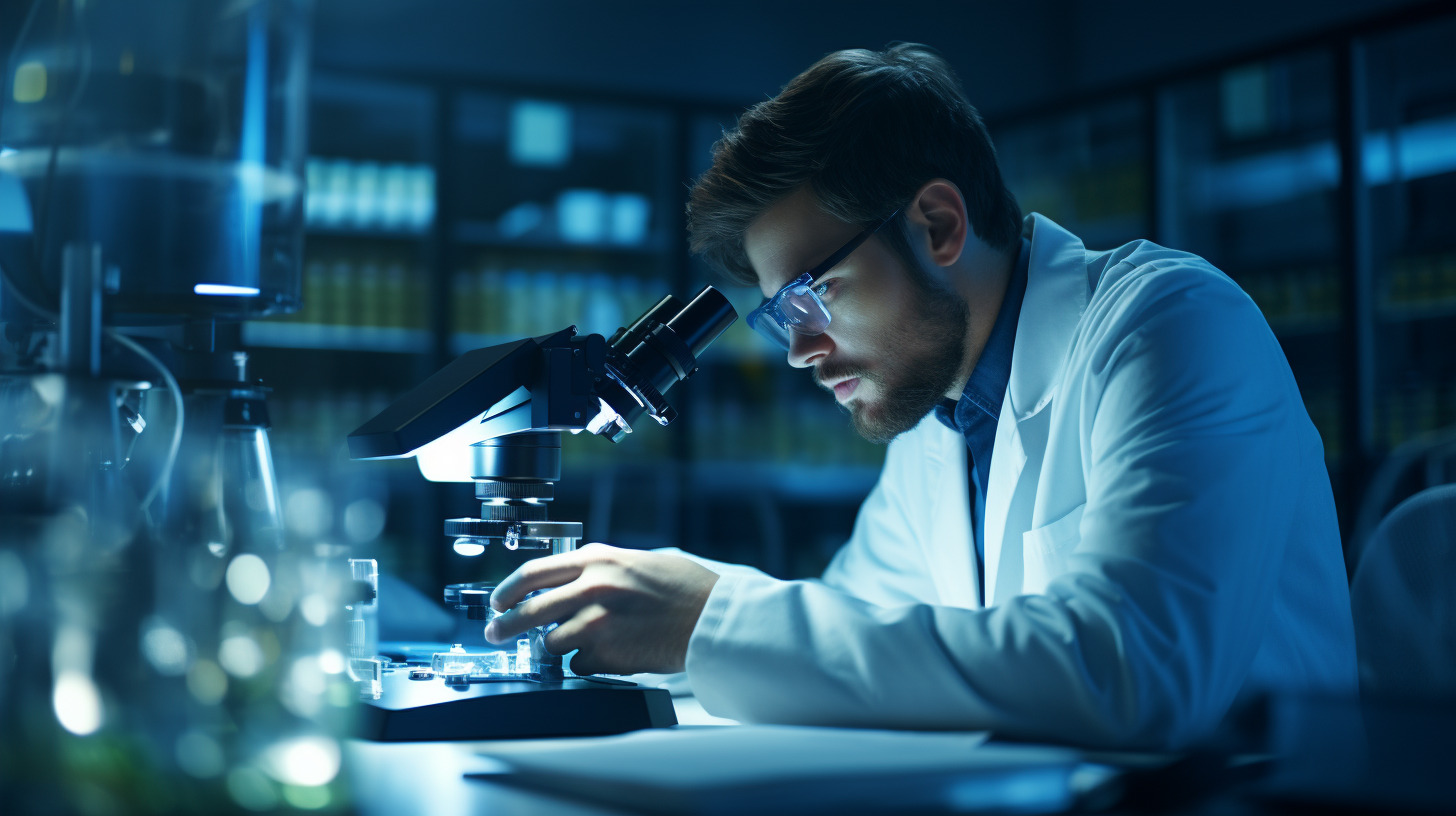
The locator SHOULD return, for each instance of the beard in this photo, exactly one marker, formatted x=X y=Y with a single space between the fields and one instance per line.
x=919 y=363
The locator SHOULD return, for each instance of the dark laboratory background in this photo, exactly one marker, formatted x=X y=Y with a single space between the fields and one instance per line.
x=483 y=171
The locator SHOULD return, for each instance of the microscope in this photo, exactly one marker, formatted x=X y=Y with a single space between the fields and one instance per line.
x=495 y=417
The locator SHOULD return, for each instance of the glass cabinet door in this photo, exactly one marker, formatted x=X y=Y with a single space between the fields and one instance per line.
x=1410 y=164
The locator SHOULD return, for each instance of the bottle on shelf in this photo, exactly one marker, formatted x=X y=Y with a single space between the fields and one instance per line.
x=369 y=195
x=395 y=312
x=338 y=294
x=369 y=293
x=491 y=306
x=465 y=298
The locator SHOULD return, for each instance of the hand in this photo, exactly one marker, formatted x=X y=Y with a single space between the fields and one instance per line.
x=622 y=611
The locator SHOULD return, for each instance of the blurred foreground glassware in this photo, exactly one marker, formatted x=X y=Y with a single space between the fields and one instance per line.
x=162 y=649
x=366 y=668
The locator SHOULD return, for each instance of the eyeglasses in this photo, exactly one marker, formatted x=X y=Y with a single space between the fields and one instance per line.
x=796 y=307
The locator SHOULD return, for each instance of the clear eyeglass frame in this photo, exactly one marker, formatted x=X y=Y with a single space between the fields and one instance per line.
x=796 y=308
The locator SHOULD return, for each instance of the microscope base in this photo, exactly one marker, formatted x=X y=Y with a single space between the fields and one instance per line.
x=421 y=710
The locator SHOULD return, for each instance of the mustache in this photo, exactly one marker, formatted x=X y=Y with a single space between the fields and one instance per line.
x=839 y=371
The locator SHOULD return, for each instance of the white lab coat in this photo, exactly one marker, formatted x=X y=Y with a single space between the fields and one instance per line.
x=1160 y=537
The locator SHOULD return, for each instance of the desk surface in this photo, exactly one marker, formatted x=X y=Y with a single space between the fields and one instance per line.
x=1409 y=750
x=699 y=767
x=394 y=778
x=429 y=777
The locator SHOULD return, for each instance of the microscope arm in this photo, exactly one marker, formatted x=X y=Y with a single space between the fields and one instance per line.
x=556 y=382
x=535 y=384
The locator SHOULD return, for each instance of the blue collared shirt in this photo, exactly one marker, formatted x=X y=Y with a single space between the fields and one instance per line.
x=979 y=407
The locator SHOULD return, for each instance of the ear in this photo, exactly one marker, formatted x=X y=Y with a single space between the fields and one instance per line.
x=940 y=210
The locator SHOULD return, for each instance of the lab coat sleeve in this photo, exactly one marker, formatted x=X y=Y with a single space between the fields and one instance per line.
x=719 y=567
x=1145 y=637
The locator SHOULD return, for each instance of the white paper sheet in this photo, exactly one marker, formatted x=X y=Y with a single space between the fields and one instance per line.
x=786 y=768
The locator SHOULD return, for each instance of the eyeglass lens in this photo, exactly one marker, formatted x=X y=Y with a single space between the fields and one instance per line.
x=804 y=311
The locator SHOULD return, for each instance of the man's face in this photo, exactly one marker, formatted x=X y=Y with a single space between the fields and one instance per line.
x=895 y=342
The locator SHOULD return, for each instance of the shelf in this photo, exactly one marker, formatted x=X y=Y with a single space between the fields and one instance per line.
x=338 y=338
x=1304 y=326
x=1411 y=312
x=483 y=234
x=401 y=233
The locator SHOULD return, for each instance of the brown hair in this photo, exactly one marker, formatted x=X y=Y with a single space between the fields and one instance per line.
x=865 y=129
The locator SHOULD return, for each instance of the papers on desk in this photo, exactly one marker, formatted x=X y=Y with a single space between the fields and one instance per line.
x=788 y=769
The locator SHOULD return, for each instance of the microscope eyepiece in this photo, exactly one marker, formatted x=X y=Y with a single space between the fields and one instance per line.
x=703 y=320
x=659 y=350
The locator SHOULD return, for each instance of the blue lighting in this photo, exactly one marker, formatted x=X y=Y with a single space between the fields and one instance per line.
x=1428 y=148
x=225 y=289
x=1272 y=177
x=1407 y=153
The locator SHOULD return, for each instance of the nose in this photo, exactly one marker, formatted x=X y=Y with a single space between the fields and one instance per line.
x=806 y=349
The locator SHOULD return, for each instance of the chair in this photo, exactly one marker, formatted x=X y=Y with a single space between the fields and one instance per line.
x=1403 y=599
x=1425 y=461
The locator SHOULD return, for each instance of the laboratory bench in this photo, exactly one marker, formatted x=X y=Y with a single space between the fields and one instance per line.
x=709 y=765
x=1336 y=755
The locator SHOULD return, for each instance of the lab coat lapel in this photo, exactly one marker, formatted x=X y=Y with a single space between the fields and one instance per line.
x=1057 y=290
x=954 y=570
x=1007 y=461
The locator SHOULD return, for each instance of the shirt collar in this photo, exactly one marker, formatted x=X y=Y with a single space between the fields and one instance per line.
x=986 y=388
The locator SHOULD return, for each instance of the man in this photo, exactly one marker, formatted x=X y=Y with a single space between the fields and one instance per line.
x=1104 y=514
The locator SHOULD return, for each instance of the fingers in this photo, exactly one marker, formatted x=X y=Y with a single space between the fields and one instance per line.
x=548 y=607
x=538 y=573
x=576 y=632
x=583 y=665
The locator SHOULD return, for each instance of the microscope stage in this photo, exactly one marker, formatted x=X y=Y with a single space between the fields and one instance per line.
x=419 y=710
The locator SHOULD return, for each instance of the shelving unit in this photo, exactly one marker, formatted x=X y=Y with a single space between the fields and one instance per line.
x=1410 y=153
x=457 y=216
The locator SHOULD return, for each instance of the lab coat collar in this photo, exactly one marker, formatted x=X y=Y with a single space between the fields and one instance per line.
x=1057 y=291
